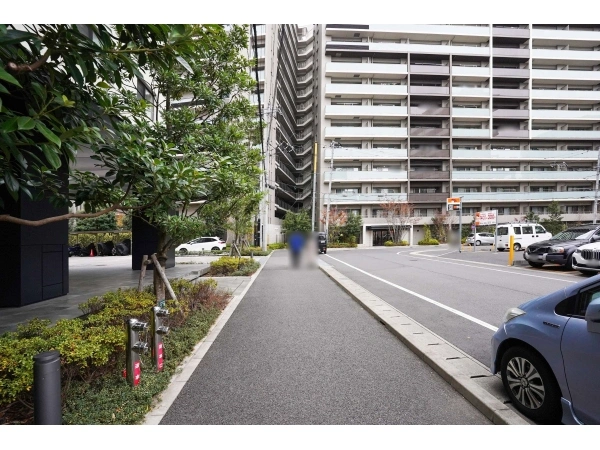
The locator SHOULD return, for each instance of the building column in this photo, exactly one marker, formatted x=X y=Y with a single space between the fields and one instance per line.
x=144 y=239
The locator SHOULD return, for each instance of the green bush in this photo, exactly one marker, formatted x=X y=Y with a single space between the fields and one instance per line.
x=92 y=353
x=393 y=244
x=233 y=266
x=278 y=246
x=341 y=245
x=430 y=241
x=85 y=239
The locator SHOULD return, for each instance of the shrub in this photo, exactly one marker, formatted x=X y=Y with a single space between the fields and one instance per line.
x=85 y=239
x=341 y=245
x=393 y=244
x=430 y=241
x=229 y=265
x=277 y=246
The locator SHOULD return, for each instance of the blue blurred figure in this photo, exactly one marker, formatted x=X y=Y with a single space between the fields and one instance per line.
x=296 y=244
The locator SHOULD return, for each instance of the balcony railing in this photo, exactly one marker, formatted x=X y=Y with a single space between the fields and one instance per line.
x=524 y=175
x=510 y=113
x=366 y=132
x=429 y=111
x=525 y=196
x=430 y=131
x=366 y=153
x=365 y=198
x=418 y=153
x=364 y=176
x=429 y=175
x=542 y=155
x=361 y=90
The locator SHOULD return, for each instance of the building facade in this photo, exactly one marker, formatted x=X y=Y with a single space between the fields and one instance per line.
x=505 y=116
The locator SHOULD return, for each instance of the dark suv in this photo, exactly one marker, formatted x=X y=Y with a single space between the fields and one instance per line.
x=322 y=243
x=560 y=248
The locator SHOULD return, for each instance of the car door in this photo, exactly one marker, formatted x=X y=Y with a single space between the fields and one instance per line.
x=527 y=235
x=199 y=245
x=581 y=355
x=502 y=236
x=518 y=235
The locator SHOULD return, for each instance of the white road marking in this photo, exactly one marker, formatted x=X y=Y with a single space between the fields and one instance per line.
x=422 y=297
x=513 y=272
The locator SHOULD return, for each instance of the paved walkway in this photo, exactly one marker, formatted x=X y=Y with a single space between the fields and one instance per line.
x=89 y=277
x=298 y=350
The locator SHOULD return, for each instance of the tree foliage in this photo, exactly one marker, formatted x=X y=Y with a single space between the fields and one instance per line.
x=337 y=221
x=106 y=222
x=299 y=221
x=554 y=223
x=399 y=217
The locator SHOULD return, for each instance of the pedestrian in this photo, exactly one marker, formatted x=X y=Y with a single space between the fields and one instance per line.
x=296 y=244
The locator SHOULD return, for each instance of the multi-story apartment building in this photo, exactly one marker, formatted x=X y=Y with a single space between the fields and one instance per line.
x=285 y=68
x=505 y=116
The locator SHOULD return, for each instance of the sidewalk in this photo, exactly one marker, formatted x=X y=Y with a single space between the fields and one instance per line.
x=299 y=350
x=89 y=277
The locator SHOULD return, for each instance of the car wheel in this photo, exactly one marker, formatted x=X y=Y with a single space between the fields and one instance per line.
x=531 y=385
x=569 y=264
x=500 y=249
x=477 y=242
x=183 y=251
x=215 y=248
x=324 y=252
x=536 y=265
x=516 y=247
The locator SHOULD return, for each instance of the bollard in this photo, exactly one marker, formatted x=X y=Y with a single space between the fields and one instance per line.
x=158 y=331
x=134 y=348
x=511 y=250
x=47 y=408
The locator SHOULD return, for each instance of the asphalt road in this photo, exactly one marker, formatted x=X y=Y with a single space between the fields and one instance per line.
x=460 y=296
x=299 y=350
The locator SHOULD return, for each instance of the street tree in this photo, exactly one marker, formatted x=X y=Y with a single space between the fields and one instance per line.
x=299 y=222
x=399 y=217
x=554 y=223
x=531 y=217
x=337 y=221
x=353 y=227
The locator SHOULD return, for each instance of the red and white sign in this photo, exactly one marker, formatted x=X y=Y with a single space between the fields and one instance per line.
x=485 y=218
x=160 y=357
x=136 y=373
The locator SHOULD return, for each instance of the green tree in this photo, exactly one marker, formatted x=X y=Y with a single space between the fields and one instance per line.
x=106 y=222
x=353 y=227
x=554 y=223
x=532 y=217
x=299 y=221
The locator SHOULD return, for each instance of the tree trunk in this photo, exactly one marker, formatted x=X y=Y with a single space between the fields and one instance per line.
x=161 y=255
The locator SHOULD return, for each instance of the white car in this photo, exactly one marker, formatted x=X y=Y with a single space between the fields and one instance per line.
x=586 y=258
x=201 y=244
x=481 y=239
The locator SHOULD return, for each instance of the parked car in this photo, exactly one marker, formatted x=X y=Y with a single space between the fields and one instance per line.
x=481 y=239
x=548 y=354
x=561 y=247
x=524 y=235
x=201 y=244
x=586 y=258
x=322 y=243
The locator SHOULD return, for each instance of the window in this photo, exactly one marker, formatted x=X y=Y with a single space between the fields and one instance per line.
x=502 y=231
x=585 y=298
x=527 y=230
x=539 y=229
x=517 y=230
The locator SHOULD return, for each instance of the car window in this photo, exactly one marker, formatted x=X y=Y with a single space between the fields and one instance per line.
x=539 y=229
x=585 y=297
x=502 y=231
x=574 y=233
x=566 y=307
x=517 y=230
x=527 y=230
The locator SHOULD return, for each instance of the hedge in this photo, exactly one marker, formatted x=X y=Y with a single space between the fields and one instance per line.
x=429 y=242
x=92 y=354
x=233 y=266
x=92 y=238
x=394 y=244
x=341 y=245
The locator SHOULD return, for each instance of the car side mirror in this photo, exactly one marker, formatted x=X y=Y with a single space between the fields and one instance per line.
x=592 y=316
x=595 y=238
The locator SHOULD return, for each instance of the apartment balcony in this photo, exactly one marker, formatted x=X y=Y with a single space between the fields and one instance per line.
x=565 y=55
x=471 y=93
x=304 y=107
x=528 y=155
x=489 y=197
x=565 y=134
x=430 y=49
x=366 y=70
x=481 y=73
x=483 y=113
x=511 y=134
x=508 y=73
x=565 y=115
x=563 y=94
x=305 y=163
x=429 y=111
x=366 y=132
x=301 y=137
x=523 y=175
x=438 y=154
x=304 y=94
x=510 y=113
x=287 y=173
x=566 y=35
x=425 y=198
x=429 y=175
x=305 y=65
x=364 y=111
x=376 y=199
x=510 y=93
x=303 y=151
x=282 y=204
x=471 y=132
x=365 y=176
x=429 y=132
x=367 y=154
x=567 y=75
x=510 y=32
x=366 y=90
x=302 y=122
x=305 y=79
x=306 y=51
x=422 y=69
x=429 y=90
x=428 y=30
x=510 y=52
x=305 y=34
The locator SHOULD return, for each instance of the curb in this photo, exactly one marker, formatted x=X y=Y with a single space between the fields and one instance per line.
x=189 y=364
x=466 y=375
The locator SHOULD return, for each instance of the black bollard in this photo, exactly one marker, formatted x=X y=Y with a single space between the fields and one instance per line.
x=47 y=408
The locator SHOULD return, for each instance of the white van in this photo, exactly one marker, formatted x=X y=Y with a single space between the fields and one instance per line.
x=524 y=233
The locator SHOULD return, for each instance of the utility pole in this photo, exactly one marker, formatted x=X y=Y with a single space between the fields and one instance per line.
x=596 y=191
x=331 y=146
x=314 y=187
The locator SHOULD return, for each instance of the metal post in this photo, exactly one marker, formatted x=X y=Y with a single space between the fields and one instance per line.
x=47 y=409
x=474 y=230
x=511 y=250
x=158 y=331
x=460 y=227
x=134 y=348
x=596 y=191
x=329 y=197
x=314 y=187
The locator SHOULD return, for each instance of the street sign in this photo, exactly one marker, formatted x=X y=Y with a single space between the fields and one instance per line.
x=485 y=218
x=161 y=303
x=453 y=203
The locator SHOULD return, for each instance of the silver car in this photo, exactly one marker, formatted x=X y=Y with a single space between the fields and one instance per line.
x=586 y=258
x=480 y=239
